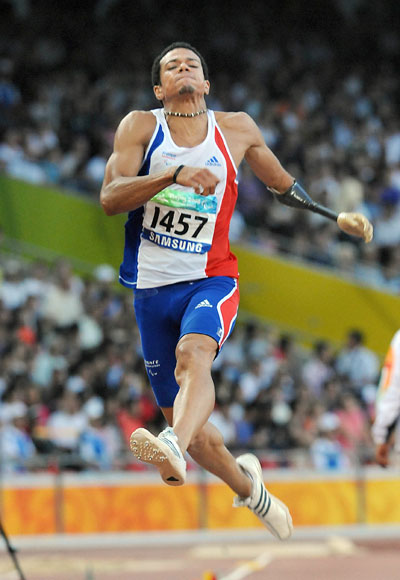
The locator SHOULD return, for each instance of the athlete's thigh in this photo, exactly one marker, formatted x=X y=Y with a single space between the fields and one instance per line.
x=159 y=335
x=212 y=309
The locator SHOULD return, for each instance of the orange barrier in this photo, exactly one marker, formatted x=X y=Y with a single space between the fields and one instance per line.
x=91 y=505
x=29 y=510
x=382 y=498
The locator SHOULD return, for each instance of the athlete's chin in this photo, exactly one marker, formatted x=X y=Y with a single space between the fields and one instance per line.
x=186 y=90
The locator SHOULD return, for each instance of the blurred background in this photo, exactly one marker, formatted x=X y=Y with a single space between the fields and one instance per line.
x=297 y=380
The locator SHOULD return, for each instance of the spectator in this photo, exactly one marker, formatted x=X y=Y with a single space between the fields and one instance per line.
x=326 y=451
x=221 y=418
x=318 y=368
x=387 y=225
x=346 y=258
x=368 y=269
x=10 y=95
x=99 y=442
x=12 y=290
x=354 y=428
x=11 y=147
x=66 y=424
x=129 y=418
x=17 y=447
x=62 y=305
x=356 y=363
x=252 y=382
x=46 y=361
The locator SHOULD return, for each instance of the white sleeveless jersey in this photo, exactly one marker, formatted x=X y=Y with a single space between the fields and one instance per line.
x=387 y=411
x=179 y=235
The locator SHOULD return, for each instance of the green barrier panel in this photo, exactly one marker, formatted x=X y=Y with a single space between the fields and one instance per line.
x=69 y=225
x=315 y=303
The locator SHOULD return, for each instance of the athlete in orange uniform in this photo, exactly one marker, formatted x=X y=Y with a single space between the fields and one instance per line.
x=388 y=402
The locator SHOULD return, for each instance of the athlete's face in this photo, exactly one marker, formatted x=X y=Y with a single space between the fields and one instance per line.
x=181 y=73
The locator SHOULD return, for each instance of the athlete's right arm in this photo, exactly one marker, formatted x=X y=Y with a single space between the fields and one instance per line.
x=123 y=189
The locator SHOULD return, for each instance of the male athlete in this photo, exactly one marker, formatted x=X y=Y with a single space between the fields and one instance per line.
x=174 y=170
x=388 y=403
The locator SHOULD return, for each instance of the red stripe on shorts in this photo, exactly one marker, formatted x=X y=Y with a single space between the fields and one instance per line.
x=227 y=308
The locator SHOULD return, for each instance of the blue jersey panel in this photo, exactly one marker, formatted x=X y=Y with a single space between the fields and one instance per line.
x=133 y=227
x=128 y=268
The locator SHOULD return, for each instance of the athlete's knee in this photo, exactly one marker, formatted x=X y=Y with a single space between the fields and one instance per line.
x=193 y=352
x=208 y=436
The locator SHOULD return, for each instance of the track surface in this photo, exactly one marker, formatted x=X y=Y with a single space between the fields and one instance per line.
x=330 y=558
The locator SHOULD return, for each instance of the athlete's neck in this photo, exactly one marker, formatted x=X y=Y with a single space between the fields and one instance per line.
x=179 y=114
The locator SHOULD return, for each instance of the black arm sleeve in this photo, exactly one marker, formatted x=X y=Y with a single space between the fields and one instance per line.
x=295 y=196
x=298 y=198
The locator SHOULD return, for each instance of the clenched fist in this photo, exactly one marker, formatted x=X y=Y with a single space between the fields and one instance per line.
x=356 y=224
x=201 y=179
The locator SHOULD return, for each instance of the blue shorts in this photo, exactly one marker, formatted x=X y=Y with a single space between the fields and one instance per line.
x=165 y=314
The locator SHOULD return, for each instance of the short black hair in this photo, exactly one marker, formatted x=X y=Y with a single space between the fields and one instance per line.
x=155 y=69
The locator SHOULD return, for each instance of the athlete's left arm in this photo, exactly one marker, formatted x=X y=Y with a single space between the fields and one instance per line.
x=269 y=170
x=259 y=156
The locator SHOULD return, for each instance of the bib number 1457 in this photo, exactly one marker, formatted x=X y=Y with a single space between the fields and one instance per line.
x=178 y=227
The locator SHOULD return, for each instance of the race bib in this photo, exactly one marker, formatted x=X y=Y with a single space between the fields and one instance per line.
x=181 y=220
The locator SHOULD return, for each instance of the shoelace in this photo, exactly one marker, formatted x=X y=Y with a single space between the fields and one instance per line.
x=165 y=438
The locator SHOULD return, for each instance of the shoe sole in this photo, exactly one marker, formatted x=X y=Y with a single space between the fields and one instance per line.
x=150 y=449
x=243 y=460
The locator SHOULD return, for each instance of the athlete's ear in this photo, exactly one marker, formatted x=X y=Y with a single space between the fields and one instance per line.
x=206 y=87
x=159 y=93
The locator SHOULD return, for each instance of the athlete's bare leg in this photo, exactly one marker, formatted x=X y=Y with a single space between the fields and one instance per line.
x=195 y=400
x=208 y=450
x=189 y=416
x=189 y=419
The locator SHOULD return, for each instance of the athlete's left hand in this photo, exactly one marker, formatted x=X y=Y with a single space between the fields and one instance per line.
x=356 y=224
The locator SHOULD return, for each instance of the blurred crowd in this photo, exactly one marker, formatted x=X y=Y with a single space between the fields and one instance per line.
x=330 y=114
x=73 y=384
x=72 y=381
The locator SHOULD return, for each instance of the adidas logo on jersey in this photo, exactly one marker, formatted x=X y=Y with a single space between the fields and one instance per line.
x=213 y=162
x=204 y=303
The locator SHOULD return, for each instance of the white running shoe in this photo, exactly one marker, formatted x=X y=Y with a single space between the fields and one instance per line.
x=270 y=511
x=162 y=451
